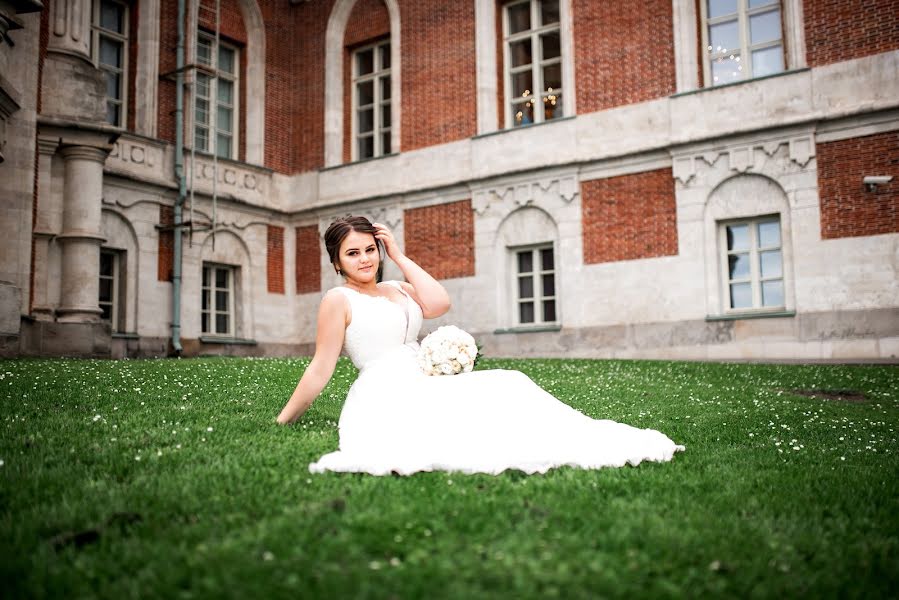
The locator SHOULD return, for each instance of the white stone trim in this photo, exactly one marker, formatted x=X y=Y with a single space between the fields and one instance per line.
x=569 y=81
x=485 y=52
x=794 y=34
x=334 y=125
x=685 y=45
x=146 y=85
x=628 y=165
x=868 y=124
x=255 y=82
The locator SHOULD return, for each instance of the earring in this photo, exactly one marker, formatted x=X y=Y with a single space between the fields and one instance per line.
x=339 y=272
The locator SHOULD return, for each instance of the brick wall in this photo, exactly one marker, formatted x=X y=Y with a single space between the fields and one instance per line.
x=623 y=52
x=847 y=208
x=368 y=22
x=165 y=257
x=283 y=69
x=837 y=30
x=439 y=87
x=131 y=77
x=308 y=260
x=440 y=239
x=274 y=260
x=629 y=217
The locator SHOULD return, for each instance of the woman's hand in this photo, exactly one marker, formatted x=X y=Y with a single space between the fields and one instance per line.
x=383 y=234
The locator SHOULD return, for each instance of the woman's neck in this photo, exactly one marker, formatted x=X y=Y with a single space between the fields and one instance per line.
x=370 y=287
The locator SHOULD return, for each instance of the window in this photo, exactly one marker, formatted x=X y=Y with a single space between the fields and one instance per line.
x=753 y=264
x=743 y=39
x=535 y=286
x=217 y=311
x=533 y=62
x=371 y=101
x=215 y=111
x=110 y=287
x=110 y=46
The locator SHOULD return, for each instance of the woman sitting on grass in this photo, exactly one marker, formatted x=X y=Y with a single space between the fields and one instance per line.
x=397 y=419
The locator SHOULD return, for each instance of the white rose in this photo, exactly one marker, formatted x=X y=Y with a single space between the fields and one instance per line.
x=446 y=369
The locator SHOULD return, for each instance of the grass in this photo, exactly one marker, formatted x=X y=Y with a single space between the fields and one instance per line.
x=169 y=479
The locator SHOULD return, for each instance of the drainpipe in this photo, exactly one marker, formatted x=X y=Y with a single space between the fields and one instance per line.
x=182 y=181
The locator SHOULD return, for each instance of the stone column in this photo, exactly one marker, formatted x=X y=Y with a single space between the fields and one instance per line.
x=47 y=224
x=80 y=238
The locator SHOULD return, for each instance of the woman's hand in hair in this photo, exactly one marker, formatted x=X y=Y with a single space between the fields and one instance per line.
x=385 y=236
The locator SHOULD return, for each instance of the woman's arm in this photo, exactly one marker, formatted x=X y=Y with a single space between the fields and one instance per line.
x=424 y=289
x=332 y=323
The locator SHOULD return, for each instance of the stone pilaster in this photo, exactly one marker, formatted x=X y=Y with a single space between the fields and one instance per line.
x=70 y=27
x=47 y=224
x=80 y=238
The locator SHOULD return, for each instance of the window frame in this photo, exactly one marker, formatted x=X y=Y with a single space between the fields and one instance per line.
x=537 y=63
x=744 y=13
x=215 y=74
x=378 y=105
x=115 y=301
x=755 y=278
x=98 y=32
x=536 y=275
x=212 y=311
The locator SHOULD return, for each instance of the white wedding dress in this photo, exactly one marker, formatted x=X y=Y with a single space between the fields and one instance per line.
x=398 y=420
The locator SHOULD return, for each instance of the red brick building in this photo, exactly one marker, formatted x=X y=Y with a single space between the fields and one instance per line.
x=712 y=179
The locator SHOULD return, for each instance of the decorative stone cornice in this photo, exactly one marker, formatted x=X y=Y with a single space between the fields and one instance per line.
x=91 y=153
x=544 y=192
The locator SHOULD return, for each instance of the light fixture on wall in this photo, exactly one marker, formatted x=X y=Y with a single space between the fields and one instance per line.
x=872 y=181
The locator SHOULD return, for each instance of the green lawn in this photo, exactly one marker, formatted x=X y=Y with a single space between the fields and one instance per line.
x=170 y=479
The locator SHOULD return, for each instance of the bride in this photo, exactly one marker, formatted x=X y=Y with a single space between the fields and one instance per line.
x=396 y=419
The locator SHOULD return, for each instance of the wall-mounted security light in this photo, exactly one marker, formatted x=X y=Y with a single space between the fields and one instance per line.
x=872 y=181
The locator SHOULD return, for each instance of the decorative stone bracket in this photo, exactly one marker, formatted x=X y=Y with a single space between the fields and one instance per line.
x=743 y=158
x=540 y=192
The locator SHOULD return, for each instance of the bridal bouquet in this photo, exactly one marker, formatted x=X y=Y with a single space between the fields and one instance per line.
x=447 y=351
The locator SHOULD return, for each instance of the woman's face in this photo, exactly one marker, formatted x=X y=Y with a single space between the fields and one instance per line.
x=358 y=257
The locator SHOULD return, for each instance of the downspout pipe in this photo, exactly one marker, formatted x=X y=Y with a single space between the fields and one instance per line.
x=182 y=181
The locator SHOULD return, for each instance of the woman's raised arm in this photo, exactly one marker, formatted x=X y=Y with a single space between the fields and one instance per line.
x=332 y=323
x=424 y=289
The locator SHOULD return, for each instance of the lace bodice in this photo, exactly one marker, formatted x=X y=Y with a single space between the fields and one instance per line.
x=379 y=328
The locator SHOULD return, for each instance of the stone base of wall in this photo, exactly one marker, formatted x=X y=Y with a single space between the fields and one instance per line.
x=47 y=338
x=840 y=336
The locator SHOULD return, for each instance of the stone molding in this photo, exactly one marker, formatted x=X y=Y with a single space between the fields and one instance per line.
x=90 y=153
x=70 y=27
x=547 y=193
x=147 y=68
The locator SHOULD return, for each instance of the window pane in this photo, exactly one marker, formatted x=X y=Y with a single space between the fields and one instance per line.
x=552 y=106
x=365 y=93
x=364 y=62
x=203 y=85
x=526 y=312
x=757 y=3
x=206 y=277
x=221 y=278
x=764 y=27
x=769 y=234
x=221 y=300
x=110 y=52
x=385 y=116
x=741 y=295
x=201 y=139
x=205 y=323
x=106 y=262
x=772 y=264
x=385 y=88
x=366 y=120
x=738 y=266
x=105 y=289
x=525 y=262
x=205 y=300
x=221 y=323
x=385 y=56
x=223 y=145
x=738 y=237
x=551 y=47
x=719 y=8
x=223 y=119
x=204 y=51
x=225 y=91
x=519 y=17
x=546 y=259
x=523 y=84
x=767 y=61
x=549 y=310
x=113 y=111
x=724 y=37
x=112 y=17
x=106 y=315
x=112 y=85
x=202 y=112
x=226 y=59
x=525 y=287
x=773 y=293
x=549 y=285
x=549 y=12
x=385 y=142
x=523 y=113
x=520 y=53
x=552 y=77
x=726 y=70
x=366 y=147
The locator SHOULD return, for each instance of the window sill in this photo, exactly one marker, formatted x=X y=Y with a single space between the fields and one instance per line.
x=752 y=315
x=741 y=82
x=357 y=162
x=206 y=339
x=532 y=329
x=125 y=336
x=521 y=127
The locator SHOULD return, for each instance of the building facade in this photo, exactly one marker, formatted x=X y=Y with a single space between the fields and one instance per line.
x=699 y=179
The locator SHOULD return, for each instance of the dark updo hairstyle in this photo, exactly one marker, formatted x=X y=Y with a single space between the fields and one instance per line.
x=337 y=232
